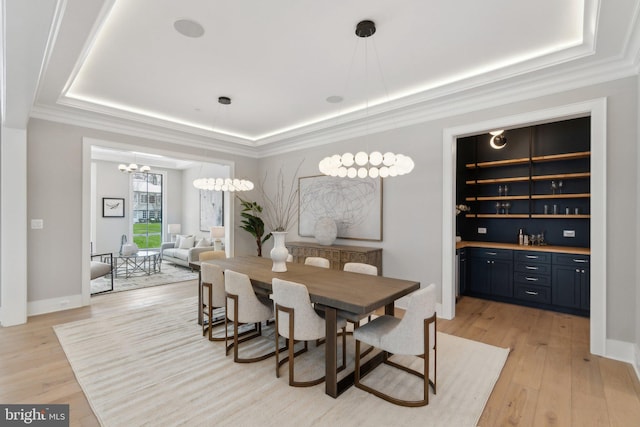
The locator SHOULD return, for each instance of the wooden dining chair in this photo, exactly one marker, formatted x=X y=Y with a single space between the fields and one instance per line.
x=296 y=320
x=243 y=306
x=414 y=334
x=317 y=261
x=213 y=297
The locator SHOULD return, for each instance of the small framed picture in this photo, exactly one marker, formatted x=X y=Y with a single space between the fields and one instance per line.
x=112 y=207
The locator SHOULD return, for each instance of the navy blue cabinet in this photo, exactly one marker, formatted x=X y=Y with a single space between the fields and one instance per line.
x=555 y=281
x=490 y=272
x=532 y=276
x=571 y=281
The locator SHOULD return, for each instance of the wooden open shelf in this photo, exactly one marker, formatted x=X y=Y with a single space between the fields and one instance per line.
x=525 y=160
x=489 y=198
x=565 y=156
x=494 y=163
x=498 y=180
x=498 y=215
x=561 y=176
x=586 y=216
x=561 y=196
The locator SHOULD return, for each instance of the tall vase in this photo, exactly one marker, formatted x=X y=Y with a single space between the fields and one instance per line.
x=279 y=253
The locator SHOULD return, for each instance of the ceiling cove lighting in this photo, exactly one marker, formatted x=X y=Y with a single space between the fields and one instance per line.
x=365 y=165
x=498 y=141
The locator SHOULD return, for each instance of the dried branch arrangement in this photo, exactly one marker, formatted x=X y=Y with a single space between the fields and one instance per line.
x=281 y=208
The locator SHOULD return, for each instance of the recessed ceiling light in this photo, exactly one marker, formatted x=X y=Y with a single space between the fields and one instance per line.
x=334 y=99
x=188 y=28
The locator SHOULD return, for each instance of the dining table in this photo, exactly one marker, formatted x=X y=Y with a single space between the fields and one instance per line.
x=338 y=293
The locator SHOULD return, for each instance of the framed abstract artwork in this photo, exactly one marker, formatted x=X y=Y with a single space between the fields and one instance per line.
x=112 y=207
x=354 y=204
x=211 y=209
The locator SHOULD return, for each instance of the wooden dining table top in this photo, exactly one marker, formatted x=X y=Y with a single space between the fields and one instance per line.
x=348 y=292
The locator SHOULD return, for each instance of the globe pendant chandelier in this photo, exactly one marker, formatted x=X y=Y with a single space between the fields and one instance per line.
x=223 y=184
x=364 y=165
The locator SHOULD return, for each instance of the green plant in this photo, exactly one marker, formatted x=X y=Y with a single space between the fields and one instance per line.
x=252 y=223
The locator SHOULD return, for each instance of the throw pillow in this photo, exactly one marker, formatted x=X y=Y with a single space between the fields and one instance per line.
x=203 y=243
x=187 y=242
x=179 y=239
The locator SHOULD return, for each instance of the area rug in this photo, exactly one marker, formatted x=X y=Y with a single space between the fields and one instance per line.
x=170 y=273
x=152 y=366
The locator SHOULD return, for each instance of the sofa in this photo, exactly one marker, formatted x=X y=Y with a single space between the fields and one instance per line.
x=185 y=249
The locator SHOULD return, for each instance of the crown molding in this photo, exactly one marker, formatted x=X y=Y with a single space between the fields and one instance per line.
x=141 y=130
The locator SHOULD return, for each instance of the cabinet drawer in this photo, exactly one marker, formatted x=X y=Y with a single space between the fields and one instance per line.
x=533 y=256
x=572 y=259
x=532 y=278
x=506 y=254
x=533 y=268
x=532 y=293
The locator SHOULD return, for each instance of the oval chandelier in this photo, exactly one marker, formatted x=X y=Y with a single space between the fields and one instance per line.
x=223 y=184
x=364 y=165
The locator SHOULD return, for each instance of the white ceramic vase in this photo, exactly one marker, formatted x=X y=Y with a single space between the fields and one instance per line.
x=279 y=252
x=326 y=231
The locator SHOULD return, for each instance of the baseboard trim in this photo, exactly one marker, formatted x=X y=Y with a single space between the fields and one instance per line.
x=51 y=305
x=636 y=365
x=624 y=352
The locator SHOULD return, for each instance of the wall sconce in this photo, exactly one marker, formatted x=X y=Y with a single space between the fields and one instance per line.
x=498 y=140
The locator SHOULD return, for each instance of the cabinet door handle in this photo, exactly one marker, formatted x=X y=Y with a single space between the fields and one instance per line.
x=532 y=256
x=532 y=279
x=580 y=260
x=491 y=253
x=530 y=268
x=530 y=293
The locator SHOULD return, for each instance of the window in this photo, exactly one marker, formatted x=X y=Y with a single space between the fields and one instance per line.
x=147 y=209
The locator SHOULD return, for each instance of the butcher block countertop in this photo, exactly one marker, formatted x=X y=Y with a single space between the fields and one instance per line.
x=516 y=247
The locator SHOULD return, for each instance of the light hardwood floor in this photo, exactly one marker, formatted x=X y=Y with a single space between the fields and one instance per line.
x=550 y=377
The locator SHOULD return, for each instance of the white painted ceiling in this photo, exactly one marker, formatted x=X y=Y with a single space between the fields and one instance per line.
x=122 y=61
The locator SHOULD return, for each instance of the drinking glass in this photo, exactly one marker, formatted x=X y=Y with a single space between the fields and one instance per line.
x=554 y=187
x=500 y=190
x=506 y=190
x=560 y=187
x=498 y=206
x=507 y=206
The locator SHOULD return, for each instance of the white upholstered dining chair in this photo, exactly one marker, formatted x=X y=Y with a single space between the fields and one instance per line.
x=213 y=296
x=243 y=306
x=317 y=261
x=297 y=320
x=414 y=334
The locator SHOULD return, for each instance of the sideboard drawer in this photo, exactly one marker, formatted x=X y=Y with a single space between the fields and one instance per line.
x=533 y=256
x=533 y=268
x=532 y=278
x=532 y=293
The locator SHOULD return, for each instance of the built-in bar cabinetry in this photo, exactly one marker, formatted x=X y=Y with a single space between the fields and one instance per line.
x=543 y=277
x=338 y=255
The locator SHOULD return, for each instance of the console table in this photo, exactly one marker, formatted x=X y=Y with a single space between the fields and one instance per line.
x=338 y=255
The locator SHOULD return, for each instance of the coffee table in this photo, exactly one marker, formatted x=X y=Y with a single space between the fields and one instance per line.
x=141 y=263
